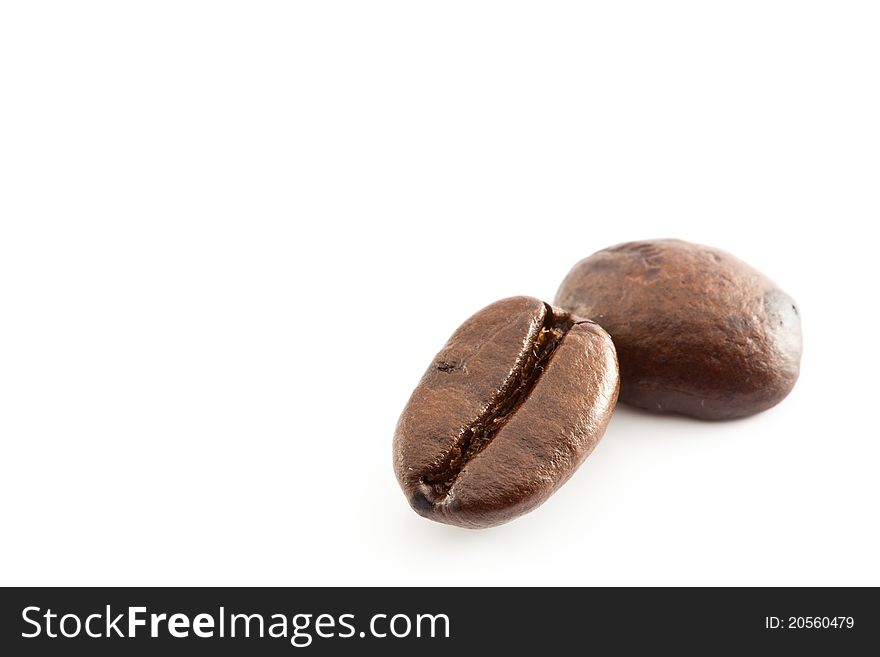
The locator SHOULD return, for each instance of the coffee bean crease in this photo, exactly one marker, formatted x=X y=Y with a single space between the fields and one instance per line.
x=476 y=437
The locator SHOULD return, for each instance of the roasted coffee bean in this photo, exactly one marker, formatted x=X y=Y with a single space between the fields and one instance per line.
x=697 y=331
x=507 y=411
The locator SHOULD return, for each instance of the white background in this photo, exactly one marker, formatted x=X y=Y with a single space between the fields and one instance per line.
x=234 y=235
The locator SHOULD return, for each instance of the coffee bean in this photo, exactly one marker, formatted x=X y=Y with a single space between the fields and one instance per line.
x=697 y=331
x=507 y=411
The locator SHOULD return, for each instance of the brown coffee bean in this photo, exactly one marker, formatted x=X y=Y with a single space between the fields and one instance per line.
x=697 y=331
x=507 y=411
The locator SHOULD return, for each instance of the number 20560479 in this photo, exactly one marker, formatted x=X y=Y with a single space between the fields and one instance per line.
x=809 y=622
